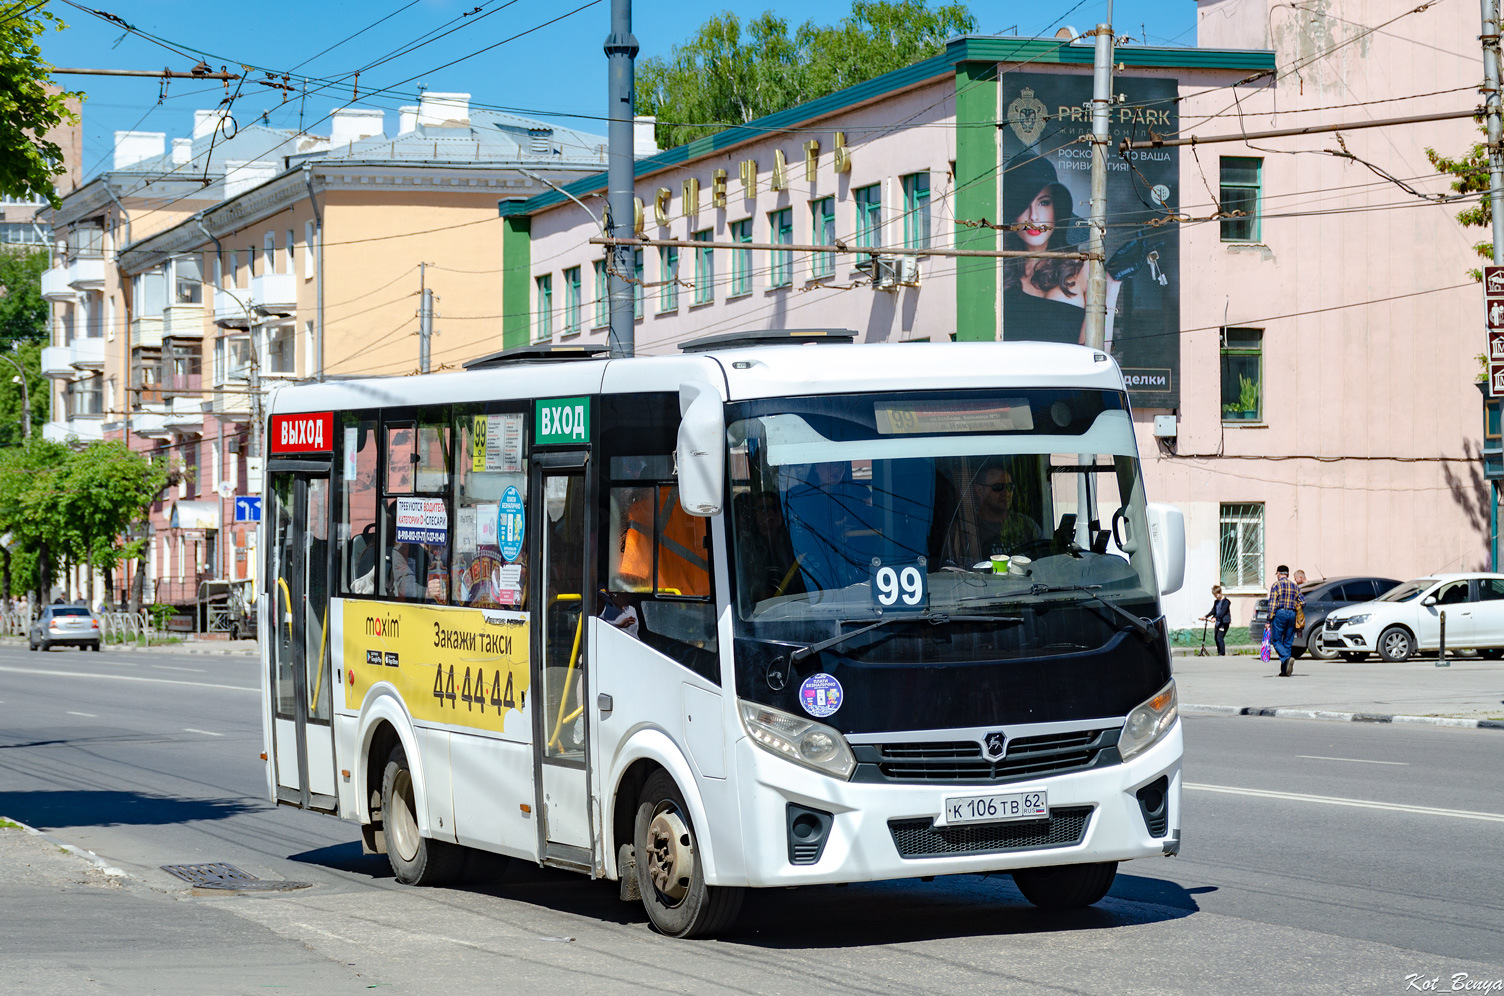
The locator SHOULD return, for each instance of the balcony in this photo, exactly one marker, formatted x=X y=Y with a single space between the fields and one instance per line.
x=183 y=321
x=146 y=332
x=275 y=292
x=55 y=285
x=88 y=353
x=66 y=361
x=78 y=429
x=228 y=310
x=86 y=273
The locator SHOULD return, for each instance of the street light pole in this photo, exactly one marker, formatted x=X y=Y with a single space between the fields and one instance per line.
x=25 y=397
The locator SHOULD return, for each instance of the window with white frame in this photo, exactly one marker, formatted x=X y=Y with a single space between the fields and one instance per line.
x=281 y=354
x=289 y=265
x=307 y=250
x=187 y=279
x=1241 y=528
x=232 y=358
x=269 y=243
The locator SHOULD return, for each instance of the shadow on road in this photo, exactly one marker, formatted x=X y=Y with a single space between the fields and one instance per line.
x=57 y=810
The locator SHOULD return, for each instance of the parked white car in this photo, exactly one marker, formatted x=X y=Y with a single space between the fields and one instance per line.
x=1407 y=619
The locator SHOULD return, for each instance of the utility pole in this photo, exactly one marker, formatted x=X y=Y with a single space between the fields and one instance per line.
x=1101 y=138
x=425 y=318
x=621 y=55
x=1492 y=104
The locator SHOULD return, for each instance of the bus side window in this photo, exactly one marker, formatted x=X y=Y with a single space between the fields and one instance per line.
x=356 y=532
x=489 y=459
x=419 y=525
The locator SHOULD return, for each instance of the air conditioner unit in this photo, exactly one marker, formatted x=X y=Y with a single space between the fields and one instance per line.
x=908 y=271
x=883 y=271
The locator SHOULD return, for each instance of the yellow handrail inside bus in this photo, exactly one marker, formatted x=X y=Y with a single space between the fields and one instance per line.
x=574 y=656
x=793 y=569
x=318 y=686
x=288 y=593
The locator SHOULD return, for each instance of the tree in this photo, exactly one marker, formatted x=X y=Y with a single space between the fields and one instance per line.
x=12 y=398
x=31 y=492
x=1471 y=172
x=721 y=77
x=23 y=310
x=29 y=106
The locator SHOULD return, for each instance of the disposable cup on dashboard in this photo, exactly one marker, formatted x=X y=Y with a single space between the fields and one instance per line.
x=999 y=563
x=1019 y=565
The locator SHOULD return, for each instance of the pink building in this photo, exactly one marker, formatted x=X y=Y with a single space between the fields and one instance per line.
x=1270 y=302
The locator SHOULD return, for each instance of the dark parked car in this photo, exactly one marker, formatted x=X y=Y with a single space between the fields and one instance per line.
x=65 y=626
x=1322 y=597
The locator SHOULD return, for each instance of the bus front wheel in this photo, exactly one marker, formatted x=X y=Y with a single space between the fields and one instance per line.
x=1061 y=887
x=416 y=860
x=669 y=874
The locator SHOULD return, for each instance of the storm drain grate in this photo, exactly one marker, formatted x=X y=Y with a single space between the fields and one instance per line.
x=219 y=875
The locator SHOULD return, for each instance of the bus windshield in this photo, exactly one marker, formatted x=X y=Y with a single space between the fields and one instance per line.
x=1023 y=507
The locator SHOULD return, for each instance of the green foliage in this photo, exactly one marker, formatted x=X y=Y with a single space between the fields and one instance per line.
x=160 y=614
x=58 y=502
x=1248 y=397
x=23 y=310
x=28 y=108
x=728 y=74
x=1471 y=172
x=12 y=398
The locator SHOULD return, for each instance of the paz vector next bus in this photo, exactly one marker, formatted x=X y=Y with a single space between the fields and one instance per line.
x=751 y=616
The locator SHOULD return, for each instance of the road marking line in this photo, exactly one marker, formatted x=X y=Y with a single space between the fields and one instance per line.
x=86 y=715
x=124 y=677
x=1331 y=800
x=207 y=733
x=1355 y=760
x=169 y=667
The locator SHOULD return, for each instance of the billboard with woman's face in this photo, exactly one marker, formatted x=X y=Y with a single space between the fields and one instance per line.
x=1046 y=195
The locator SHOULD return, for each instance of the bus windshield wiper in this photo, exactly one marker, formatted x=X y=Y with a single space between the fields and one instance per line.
x=1146 y=627
x=933 y=618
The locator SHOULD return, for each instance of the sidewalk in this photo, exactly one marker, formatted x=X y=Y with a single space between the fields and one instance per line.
x=188 y=646
x=1470 y=692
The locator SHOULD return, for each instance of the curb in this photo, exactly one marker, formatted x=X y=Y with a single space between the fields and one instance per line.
x=1341 y=717
x=104 y=866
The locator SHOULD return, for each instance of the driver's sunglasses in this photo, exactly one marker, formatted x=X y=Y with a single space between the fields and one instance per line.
x=999 y=488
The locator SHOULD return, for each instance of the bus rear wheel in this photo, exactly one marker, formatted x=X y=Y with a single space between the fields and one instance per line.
x=1061 y=887
x=669 y=873
x=415 y=859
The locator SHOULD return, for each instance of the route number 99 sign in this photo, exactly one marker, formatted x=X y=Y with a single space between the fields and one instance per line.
x=900 y=587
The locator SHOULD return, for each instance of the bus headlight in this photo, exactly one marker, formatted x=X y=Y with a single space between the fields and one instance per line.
x=1148 y=722
x=797 y=739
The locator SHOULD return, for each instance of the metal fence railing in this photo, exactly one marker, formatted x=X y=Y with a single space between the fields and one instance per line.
x=125 y=626
x=15 y=623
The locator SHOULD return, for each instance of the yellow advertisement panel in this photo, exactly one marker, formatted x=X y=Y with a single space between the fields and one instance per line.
x=466 y=667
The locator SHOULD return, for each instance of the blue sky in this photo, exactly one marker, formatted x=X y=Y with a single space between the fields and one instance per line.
x=554 y=71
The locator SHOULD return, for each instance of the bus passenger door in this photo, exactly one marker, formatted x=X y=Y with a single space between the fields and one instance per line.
x=298 y=634
x=559 y=511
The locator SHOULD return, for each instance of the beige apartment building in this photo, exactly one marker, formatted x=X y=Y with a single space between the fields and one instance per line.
x=309 y=264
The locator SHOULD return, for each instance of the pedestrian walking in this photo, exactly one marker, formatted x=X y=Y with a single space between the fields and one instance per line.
x=1285 y=600
x=1221 y=618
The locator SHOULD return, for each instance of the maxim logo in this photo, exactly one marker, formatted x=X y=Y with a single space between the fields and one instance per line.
x=386 y=628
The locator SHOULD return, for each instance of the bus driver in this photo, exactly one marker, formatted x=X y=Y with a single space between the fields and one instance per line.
x=987 y=524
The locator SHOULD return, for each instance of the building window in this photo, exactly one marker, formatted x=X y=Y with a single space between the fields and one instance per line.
x=704 y=270
x=281 y=353
x=869 y=208
x=1242 y=545
x=572 y=300
x=1242 y=375
x=291 y=262
x=545 y=324
x=269 y=243
x=741 y=259
x=668 y=279
x=308 y=250
x=636 y=283
x=602 y=296
x=916 y=210
x=1242 y=177
x=781 y=224
x=823 y=233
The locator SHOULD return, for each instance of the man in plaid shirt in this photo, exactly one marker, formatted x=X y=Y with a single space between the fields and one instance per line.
x=1284 y=599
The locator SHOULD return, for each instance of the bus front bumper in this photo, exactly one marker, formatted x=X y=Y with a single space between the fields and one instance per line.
x=1096 y=815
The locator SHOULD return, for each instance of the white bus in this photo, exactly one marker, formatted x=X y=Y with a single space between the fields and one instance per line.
x=752 y=616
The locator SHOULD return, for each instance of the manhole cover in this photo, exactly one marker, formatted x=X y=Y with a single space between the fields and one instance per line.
x=219 y=875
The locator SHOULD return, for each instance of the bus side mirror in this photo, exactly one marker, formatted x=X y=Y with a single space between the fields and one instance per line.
x=701 y=450
x=1167 y=546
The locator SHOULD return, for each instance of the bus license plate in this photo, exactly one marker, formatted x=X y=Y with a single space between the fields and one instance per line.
x=961 y=810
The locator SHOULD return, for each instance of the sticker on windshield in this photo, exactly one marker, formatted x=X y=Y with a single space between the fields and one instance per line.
x=820 y=695
x=510 y=523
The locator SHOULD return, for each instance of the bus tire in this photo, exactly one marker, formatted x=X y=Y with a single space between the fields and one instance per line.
x=669 y=874
x=1060 y=887
x=415 y=859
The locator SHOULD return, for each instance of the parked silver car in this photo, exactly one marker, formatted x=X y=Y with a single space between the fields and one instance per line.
x=65 y=626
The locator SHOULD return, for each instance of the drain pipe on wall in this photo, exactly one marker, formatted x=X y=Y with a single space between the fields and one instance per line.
x=318 y=222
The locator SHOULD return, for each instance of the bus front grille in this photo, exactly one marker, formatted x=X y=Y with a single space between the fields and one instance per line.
x=920 y=838
x=962 y=760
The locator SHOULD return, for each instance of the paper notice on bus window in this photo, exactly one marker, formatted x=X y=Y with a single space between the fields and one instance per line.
x=504 y=444
x=422 y=520
x=352 y=434
x=509 y=585
x=485 y=524
x=465 y=522
x=938 y=417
